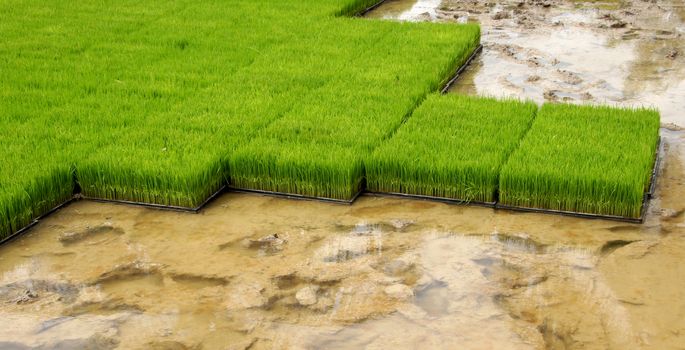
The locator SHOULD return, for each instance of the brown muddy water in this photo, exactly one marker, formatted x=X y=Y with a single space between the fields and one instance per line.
x=258 y=272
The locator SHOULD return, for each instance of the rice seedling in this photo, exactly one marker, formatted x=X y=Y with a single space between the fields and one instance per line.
x=451 y=147
x=31 y=184
x=316 y=148
x=151 y=102
x=164 y=102
x=588 y=159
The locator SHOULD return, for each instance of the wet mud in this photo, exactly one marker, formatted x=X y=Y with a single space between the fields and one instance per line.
x=628 y=53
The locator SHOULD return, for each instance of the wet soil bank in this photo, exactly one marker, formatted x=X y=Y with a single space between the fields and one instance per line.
x=260 y=272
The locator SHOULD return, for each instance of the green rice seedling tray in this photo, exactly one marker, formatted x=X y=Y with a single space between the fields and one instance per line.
x=157 y=206
x=298 y=196
x=643 y=212
x=461 y=69
x=34 y=222
x=432 y=198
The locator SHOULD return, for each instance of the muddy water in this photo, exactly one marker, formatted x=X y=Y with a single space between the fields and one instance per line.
x=404 y=10
x=258 y=272
x=629 y=53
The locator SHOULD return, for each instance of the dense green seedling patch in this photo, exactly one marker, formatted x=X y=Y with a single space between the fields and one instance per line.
x=165 y=102
x=583 y=159
x=452 y=147
x=151 y=102
x=317 y=148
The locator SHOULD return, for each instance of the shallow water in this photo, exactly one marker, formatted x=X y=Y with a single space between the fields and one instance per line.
x=629 y=53
x=258 y=272
x=407 y=10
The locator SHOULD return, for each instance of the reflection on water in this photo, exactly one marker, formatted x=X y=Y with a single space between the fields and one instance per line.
x=258 y=272
x=407 y=10
x=624 y=53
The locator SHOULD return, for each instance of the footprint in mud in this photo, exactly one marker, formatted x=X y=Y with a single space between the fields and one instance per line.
x=268 y=245
x=509 y=276
x=286 y=282
x=197 y=281
x=433 y=298
x=129 y=270
x=367 y=229
x=519 y=243
x=72 y=237
x=30 y=290
x=171 y=345
x=105 y=306
x=611 y=246
x=400 y=270
x=154 y=273
x=97 y=332
x=345 y=248
x=296 y=292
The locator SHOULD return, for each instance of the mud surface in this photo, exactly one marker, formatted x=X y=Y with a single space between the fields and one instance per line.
x=257 y=272
x=630 y=53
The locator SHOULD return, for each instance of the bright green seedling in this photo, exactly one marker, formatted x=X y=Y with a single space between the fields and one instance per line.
x=316 y=148
x=584 y=159
x=164 y=102
x=451 y=147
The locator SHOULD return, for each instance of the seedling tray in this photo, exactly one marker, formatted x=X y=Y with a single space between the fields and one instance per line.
x=577 y=214
x=297 y=196
x=157 y=206
x=431 y=198
x=643 y=212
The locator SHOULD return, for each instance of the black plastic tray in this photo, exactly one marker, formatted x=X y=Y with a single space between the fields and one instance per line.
x=496 y=205
x=655 y=169
x=157 y=206
x=431 y=198
x=578 y=214
x=643 y=212
x=461 y=69
x=369 y=9
x=297 y=196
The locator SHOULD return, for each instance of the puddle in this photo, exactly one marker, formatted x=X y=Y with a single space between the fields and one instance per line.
x=434 y=299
